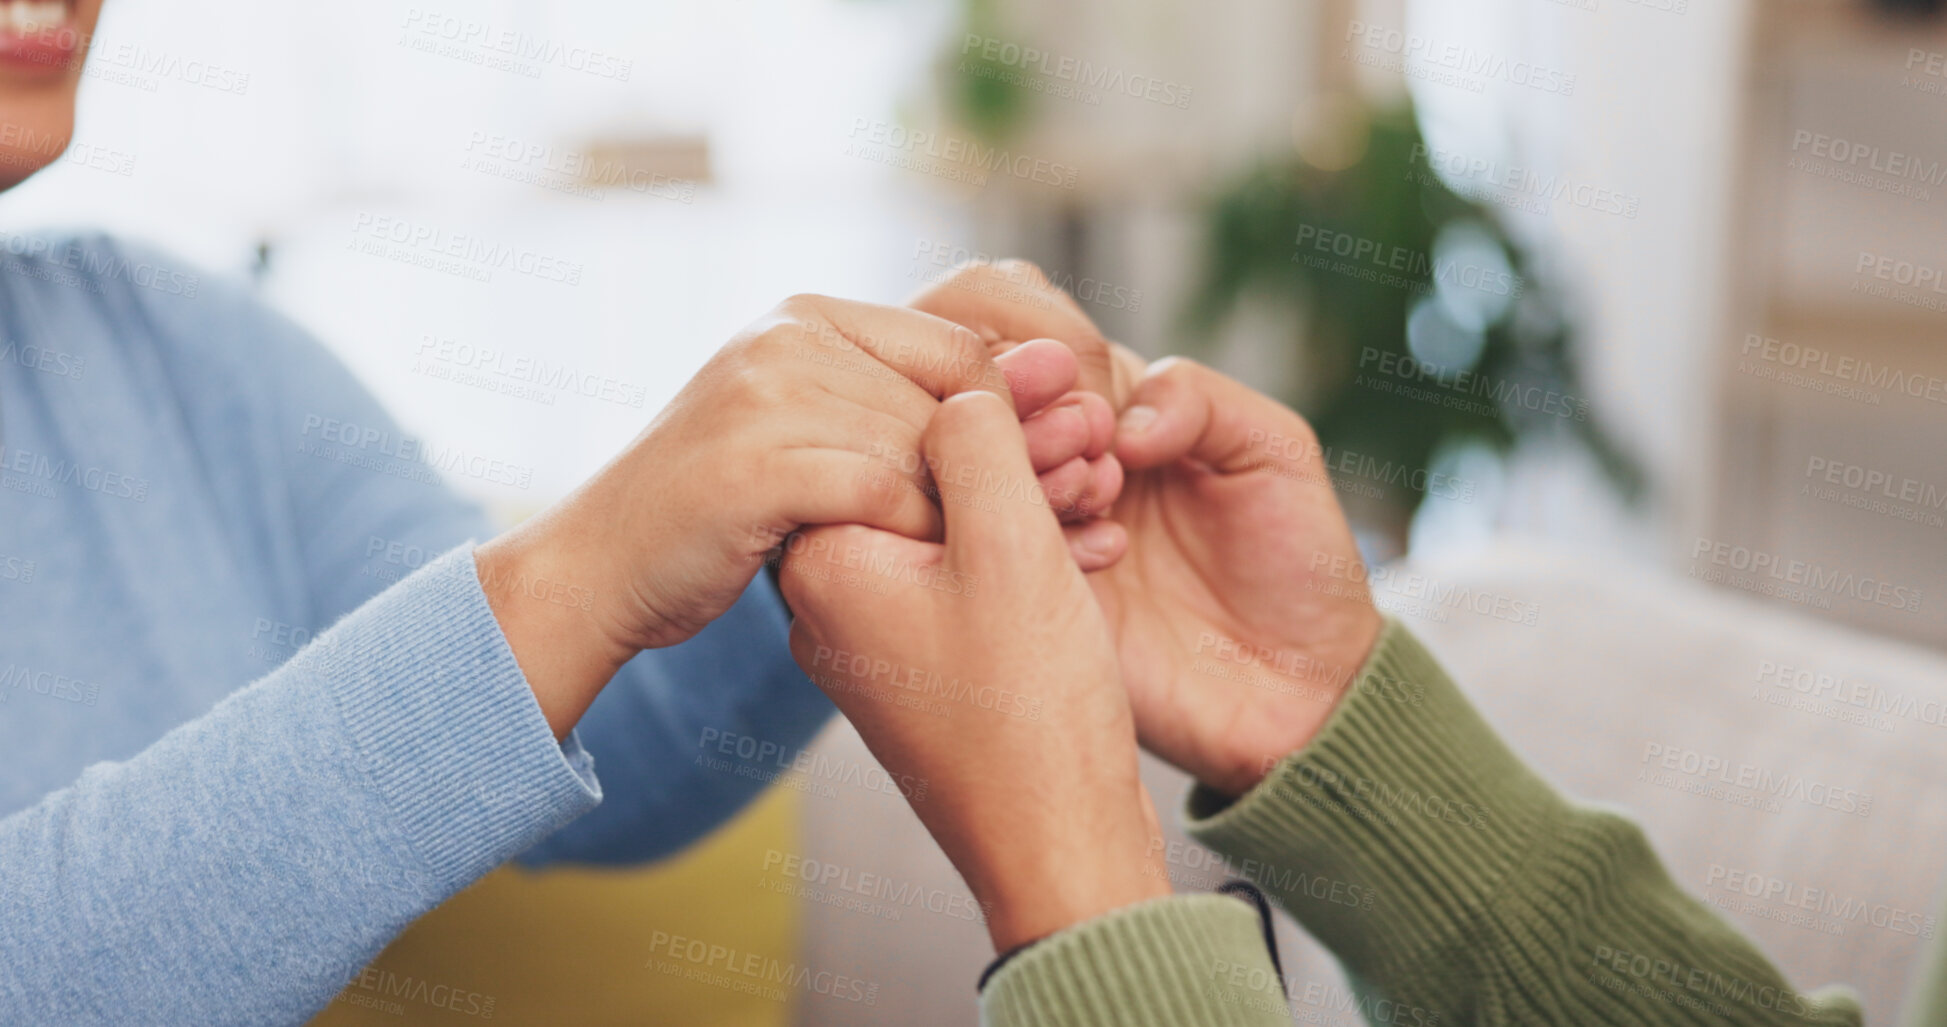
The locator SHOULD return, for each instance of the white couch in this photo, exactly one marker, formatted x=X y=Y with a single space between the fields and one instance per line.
x=1622 y=666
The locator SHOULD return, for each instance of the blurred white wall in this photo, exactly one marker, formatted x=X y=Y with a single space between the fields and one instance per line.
x=1653 y=117
x=334 y=129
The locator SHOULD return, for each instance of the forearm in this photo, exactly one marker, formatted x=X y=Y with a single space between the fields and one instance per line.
x=551 y=605
x=243 y=867
x=687 y=736
x=1452 y=882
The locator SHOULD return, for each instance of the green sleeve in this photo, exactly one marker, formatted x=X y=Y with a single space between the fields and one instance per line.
x=1184 y=960
x=1927 y=1006
x=1457 y=888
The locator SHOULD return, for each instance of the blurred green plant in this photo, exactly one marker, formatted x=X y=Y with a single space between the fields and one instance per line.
x=1420 y=323
x=1431 y=333
x=980 y=91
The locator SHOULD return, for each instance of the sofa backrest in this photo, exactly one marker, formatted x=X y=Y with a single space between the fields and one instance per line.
x=1791 y=772
x=1596 y=674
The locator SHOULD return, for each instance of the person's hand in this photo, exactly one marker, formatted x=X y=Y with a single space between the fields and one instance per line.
x=983 y=666
x=1011 y=302
x=812 y=415
x=1240 y=610
x=1261 y=607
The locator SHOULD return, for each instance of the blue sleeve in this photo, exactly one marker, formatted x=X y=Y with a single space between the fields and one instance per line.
x=242 y=868
x=367 y=503
x=691 y=733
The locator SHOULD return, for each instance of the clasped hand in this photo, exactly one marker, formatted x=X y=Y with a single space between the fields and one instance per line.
x=1003 y=586
x=1222 y=614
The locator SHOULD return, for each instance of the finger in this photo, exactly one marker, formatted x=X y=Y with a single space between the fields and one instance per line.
x=1101 y=422
x=939 y=356
x=1038 y=372
x=1056 y=435
x=885 y=439
x=1082 y=488
x=1104 y=486
x=888 y=462
x=1184 y=409
x=861 y=380
x=1055 y=439
x=836 y=486
x=1077 y=424
x=832 y=572
x=822 y=663
x=994 y=509
x=804 y=639
x=1126 y=369
x=1065 y=486
x=1096 y=544
x=1012 y=300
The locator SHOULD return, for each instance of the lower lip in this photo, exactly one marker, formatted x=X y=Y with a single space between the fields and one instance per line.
x=49 y=50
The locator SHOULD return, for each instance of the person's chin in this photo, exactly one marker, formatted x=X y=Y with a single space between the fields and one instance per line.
x=42 y=46
x=34 y=130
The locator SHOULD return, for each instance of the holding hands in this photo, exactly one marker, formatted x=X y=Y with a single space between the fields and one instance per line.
x=1000 y=691
x=812 y=415
x=1239 y=612
x=1222 y=639
x=919 y=465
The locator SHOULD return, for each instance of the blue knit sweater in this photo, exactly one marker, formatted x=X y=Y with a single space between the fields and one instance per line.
x=252 y=722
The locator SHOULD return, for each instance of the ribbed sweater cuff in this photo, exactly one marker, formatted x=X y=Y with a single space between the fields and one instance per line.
x=446 y=725
x=1393 y=830
x=1187 y=959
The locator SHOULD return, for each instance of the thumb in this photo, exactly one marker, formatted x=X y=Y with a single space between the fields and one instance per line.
x=1038 y=373
x=1184 y=409
x=988 y=493
x=833 y=573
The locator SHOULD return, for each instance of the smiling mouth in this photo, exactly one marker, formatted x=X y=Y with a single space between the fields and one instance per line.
x=41 y=34
x=35 y=17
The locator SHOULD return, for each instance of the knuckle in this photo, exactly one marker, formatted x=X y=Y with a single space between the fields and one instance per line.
x=754 y=350
x=970 y=362
x=880 y=497
x=1175 y=367
x=758 y=383
x=806 y=319
x=804 y=303
x=779 y=339
x=965 y=343
x=967 y=272
x=954 y=412
x=1174 y=374
x=1024 y=271
x=800 y=317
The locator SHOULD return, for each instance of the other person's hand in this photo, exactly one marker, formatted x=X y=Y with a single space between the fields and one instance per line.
x=982 y=665
x=812 y=415
x=1011 y=302
x=1230 y=684
x=1240 y=611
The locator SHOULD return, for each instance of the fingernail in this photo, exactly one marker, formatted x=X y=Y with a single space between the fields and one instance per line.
x=1137 y=419
x=1064 y=410
x=1098 y=539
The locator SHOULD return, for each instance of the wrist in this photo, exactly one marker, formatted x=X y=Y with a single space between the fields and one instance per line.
x=1040 y=888
x=1287 y=721
x=549 y=608
x=1030 y=914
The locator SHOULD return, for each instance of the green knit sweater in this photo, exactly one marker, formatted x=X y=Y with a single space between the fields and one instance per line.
x=1455 y=887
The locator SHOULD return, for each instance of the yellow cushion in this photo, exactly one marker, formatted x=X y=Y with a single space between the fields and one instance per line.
x=573 y=946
